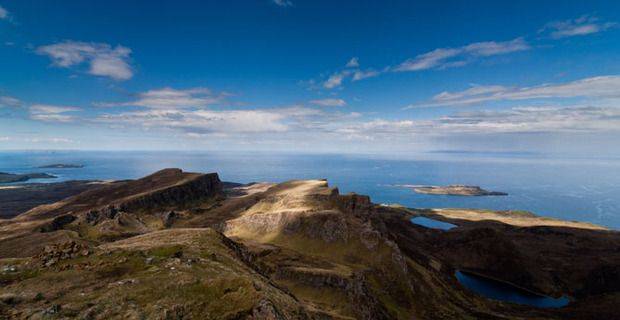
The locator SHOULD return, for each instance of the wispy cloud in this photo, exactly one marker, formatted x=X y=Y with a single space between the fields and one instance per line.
x=52 y=113
x=453 y=57
x=443 y=58
x=4 y=14
x=351 y=71
x=353 y=63
x=283 y=3
x=364 y=74
x=7 y=101
x=440 y=58
x=594 y=87
x=329 y=102
x=169 y=98
x=336 y=79
x=103 y=59
x=583 y=25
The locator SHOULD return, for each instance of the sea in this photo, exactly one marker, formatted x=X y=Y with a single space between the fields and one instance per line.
x=569 y=188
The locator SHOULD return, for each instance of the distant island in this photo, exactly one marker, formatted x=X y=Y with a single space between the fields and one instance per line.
x=456 y=190
x=10 y=177
x=62 y=166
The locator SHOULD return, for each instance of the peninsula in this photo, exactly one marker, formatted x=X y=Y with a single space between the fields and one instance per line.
x=11 y=178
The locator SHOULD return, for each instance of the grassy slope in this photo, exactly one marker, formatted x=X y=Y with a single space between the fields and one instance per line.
x=185 y=271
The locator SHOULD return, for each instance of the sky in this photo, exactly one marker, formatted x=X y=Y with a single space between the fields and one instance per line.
x=378 y=77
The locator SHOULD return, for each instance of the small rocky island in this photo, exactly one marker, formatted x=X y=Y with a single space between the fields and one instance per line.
x=62 y=166
x=457 y=190
x=10 y=177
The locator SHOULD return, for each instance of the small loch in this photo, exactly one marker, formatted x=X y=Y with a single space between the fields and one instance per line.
x=432 y=223
x=502 y=291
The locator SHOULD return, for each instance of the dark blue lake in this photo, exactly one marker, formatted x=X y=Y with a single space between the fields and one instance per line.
x=501 y=291
x=573 y=189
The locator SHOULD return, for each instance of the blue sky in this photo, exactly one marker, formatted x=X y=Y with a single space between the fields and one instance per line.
x=299 y=75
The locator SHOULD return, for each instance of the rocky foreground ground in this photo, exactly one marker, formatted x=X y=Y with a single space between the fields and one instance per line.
x=178 y=245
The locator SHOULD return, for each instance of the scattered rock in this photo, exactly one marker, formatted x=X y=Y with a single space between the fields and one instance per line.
x=177 y=312
x=123 y=282
x=94 y=217
x=51 y=255
x=265 y=310
x=53 y=309
x=168 y=218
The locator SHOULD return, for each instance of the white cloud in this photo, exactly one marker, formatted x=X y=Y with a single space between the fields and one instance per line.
x=200 y=122
x=351 y=72
x=491 y=48
x=6 y=101
x=329 y=102
x=428 y=60
x=283 y=3
x=594 y=87
x=103 y=59
x=170 y=98
x=583 y=25
x=453 y=57
x=353 y=63
x=336 y=79
x=364 y=74
x=4 y=14
x=51 y=113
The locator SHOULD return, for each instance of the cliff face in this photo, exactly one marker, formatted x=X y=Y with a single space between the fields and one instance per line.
x=184 y=245
x=168 y=187
x=179 y=195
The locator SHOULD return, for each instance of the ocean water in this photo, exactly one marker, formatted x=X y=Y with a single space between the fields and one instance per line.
x=572 y=189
